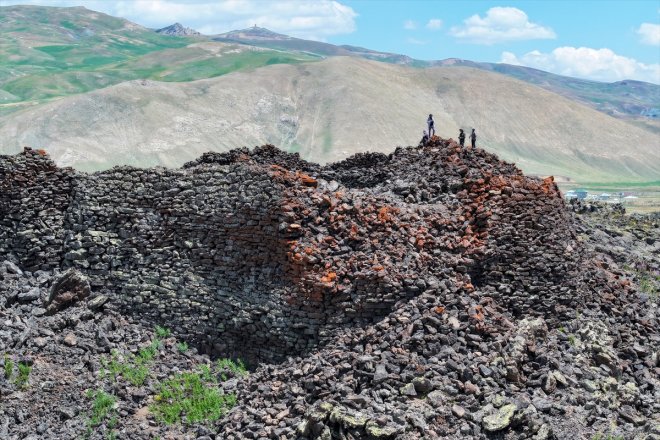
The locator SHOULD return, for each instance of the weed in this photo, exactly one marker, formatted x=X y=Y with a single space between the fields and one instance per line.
x=102 y=405
x=23 y=374
x=572 y=340
x=133 y=370
x=191 y=398
x=182 y=347
x=162 y=332
x=9 y=367
x=237 y=368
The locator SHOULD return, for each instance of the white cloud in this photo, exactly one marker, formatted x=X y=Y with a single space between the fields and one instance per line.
x=585 y=62
x=650 y=33
x=409 y=25
x=312 y=19
x=434 y=24
x=499 y=25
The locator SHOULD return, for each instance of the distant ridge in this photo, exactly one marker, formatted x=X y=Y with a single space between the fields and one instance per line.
x=178 y=30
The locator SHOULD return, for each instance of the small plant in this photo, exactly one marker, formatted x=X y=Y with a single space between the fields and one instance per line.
x=191 y=398
x=237 y=368
x=182 y=347
x=572 y=340
x=133 y=370
x=162 y=332
x=102 y=404
x=562 y=330
x=9 y=366
x=148 y=353
x=23 y=374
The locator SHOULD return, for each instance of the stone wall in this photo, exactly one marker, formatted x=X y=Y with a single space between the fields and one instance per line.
x=260 y=254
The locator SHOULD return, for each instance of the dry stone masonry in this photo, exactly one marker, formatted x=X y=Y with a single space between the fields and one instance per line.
x=435 y=292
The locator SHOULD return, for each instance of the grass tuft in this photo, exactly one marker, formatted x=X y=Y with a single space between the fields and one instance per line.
x=191 y=398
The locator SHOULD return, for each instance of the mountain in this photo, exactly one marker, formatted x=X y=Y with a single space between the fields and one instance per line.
x=624 y=99
x=48 y=52
x=51 y=52
x=177 y=30
x=262 y=37
x=329 y=110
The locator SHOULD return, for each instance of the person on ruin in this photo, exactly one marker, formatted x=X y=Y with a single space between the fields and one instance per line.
x=461 y=137
x=431 y=125
x=425 y=138
x=473 y=138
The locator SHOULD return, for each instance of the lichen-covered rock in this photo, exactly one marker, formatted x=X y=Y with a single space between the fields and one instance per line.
x=501 y=419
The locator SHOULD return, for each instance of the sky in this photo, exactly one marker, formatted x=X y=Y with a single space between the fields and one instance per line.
x=604 y=40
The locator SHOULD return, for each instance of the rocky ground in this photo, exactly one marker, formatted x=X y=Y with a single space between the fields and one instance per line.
x=560 y=344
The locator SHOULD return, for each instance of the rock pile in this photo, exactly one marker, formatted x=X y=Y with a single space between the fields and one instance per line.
x=435 y=292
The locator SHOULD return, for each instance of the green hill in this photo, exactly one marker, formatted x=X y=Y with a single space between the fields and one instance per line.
x=48 y=52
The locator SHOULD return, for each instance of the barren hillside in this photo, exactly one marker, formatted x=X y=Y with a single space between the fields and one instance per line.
x=330 y=110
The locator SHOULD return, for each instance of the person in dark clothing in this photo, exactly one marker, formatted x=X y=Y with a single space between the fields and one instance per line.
x=473 y=138
x=431 y=125
x=425 y=139
x=461 y=137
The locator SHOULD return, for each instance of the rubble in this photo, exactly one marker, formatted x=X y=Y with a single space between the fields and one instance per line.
x=435 y=292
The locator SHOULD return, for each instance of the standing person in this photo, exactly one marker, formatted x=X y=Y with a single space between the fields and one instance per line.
x=473 y=138
x=431 y=125
x=461 y=137
x=425 y=139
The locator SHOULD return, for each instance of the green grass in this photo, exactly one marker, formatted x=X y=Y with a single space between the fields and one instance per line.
x=8 y=366
x=102 y=405
x=133 y=369
x=24 y=371
x=162 y=332
x=233 y=368
x=191 y=398
x=182 y=347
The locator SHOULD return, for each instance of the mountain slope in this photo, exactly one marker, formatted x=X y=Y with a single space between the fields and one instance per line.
x=48 y=52
x=623 y=99
x=330 y=110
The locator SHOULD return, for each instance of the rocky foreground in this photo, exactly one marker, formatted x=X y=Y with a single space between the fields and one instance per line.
x=432 y=293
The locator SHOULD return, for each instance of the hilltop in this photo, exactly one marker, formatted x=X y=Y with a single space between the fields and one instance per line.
x=178 y=30
x=432 y=292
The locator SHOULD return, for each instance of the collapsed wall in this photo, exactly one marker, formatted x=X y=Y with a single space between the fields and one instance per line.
x=261 y=254
x=435 y=292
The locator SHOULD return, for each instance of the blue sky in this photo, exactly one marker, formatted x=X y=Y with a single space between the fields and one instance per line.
x=604 y=40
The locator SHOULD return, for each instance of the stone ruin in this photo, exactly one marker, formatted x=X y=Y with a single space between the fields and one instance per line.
x=261 y=255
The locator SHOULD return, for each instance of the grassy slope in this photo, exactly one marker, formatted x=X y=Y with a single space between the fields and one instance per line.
x=53 y=52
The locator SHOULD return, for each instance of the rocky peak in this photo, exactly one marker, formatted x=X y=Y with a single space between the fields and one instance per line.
x=177 y=29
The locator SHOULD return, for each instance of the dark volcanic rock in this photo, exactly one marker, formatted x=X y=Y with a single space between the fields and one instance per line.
x=70 y=288
x=435 y=292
